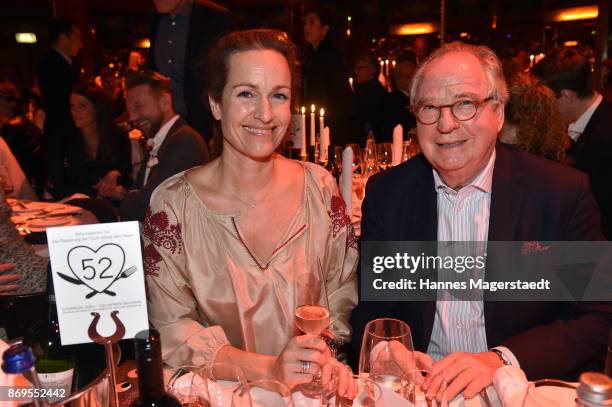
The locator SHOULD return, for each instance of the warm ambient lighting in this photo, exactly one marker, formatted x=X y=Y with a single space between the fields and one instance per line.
x=575 y=13
x=570 y=43
x=144 y=43
x=463 y=35
x=25 y=38
x=414 y=29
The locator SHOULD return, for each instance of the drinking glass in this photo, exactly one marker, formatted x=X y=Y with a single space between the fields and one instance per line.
x=220 y=385
x=356 y=157
x=180 y=384
x=387 y=355
x=270 y=393
x=338 y=156
x=385 y=155
x=409 y=149
x=370 y=394
x=311 y=313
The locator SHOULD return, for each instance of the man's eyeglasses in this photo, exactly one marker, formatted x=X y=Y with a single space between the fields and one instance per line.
x=462 y=110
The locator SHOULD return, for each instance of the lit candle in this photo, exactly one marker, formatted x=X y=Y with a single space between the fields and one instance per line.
x=381 y=76
x=393 y=64
x=351 y=83
x=386 y=67
x=303 y=152
x=312 y=125
x=531 y=58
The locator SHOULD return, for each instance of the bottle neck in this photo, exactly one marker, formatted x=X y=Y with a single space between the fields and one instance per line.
x=150 y=376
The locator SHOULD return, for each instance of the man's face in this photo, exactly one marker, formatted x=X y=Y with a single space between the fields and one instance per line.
x=167 y=6
x=363 y=71
x=145 y=109
x=72 y=42
x=314 y=30
x=567 y=102
x=458 y=150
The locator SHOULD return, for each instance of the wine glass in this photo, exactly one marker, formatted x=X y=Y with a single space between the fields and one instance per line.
x=270 y=393
x=387 y=355
x=180 y=383
x=385 y=155
x=311 y=313
x=220 y=385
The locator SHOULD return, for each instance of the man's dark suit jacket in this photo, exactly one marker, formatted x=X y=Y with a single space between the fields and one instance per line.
x=592 y=154
x=56 y=80
x=532 y=199
x=207 y=23
x=182 y=149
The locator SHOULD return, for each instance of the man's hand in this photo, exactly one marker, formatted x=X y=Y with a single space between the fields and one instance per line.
x=463 y=372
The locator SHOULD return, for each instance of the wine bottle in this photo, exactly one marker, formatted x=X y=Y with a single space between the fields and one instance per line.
x=331 y=164
x=151 y=390
x=54 y=363
x=19 y=360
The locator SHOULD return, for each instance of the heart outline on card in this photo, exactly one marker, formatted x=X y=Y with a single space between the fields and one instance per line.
x=96 y=269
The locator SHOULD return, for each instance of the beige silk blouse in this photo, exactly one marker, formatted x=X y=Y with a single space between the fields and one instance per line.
x=206 y=288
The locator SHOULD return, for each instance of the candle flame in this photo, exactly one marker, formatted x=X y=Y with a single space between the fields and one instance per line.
x=312 y=108
x=386 y=62
x=303 y=109
x=322 y=112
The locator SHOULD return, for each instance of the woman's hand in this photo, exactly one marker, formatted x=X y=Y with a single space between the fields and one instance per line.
x=108 y=187
x=301 y=351
x=6 y=280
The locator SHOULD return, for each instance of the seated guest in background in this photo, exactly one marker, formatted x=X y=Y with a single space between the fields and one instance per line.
x=368 y=96
x=589 y=117
x=223 y=242
x=533 y=121
x=396 y=104
x=21 y=135
x=468 y=187
x=174 y=145
x=98 y=162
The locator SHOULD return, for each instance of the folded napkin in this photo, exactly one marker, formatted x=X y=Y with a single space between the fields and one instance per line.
x=398 y=144
x=346 y=178
x=325 y=141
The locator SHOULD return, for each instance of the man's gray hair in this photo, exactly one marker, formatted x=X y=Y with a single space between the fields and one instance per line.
x=489 y=61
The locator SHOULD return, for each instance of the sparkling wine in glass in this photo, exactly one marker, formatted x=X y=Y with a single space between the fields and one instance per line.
x=312 y=319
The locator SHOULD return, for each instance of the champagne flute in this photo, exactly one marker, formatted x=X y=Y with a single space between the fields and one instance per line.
x=311 y=314
x=387 y=355
x=356 y=157
x=385 y=155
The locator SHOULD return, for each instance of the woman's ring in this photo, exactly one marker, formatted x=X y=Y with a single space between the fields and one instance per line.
x=305 y=367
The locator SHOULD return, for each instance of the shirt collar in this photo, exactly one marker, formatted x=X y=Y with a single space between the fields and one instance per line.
x=483 y=181
x=157 y=140
x=184 y=10
x=66 y=57
x=576 y=128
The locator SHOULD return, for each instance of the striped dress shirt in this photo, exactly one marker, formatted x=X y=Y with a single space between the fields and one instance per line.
x=463 y=216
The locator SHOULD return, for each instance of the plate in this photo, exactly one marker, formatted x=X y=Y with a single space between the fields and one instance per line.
x=41 y=224
x=562 y=396
x=29 y=207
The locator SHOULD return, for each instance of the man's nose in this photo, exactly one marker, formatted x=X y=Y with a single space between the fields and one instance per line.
x=447 y=121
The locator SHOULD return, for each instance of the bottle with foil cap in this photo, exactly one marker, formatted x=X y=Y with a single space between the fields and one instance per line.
x=19 y=360
x=594 y=390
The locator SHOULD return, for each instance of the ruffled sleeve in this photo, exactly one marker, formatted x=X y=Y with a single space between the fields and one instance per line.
x=341 y=253
x=186 y=340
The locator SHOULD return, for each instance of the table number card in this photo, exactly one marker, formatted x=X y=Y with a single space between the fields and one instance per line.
x=97 y=269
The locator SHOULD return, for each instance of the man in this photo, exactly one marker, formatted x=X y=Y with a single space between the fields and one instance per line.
x=467 y=187
x=396 y=104
x=182 y=31
x=589 y=117
x=174 y=146
x=368 y=96
x=57 y=75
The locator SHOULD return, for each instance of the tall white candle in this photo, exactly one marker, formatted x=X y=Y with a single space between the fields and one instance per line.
x=351 y=83
x=303 y=152
x=312 y=125
x=387 y=68
x=321 y=121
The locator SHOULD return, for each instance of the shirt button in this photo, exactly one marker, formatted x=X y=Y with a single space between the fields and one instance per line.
x=170 y=61
x=459 y=325
x=173 y=23
x=170 y=42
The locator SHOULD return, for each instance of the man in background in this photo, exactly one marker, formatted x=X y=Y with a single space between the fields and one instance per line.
x=368 y=96
x=589 y=119
x=173 y=146
x=182 y=31
x=57 y=75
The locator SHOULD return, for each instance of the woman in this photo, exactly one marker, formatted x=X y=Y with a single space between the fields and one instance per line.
x=324 y=76
x=533 y=121
x=223 y=241
x=99 y=159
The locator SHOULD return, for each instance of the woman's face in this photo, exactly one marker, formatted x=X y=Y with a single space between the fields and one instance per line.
x=82 y=110
x=314 y=30
x=255 y=107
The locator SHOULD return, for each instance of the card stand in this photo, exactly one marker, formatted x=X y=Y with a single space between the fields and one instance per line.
x=108 y=342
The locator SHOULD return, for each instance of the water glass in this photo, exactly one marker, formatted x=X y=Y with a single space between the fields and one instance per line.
x=220 y=385
x=270 y=393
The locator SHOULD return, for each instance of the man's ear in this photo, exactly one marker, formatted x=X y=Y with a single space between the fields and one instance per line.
x=215 y=108
x=165 y=102
x=568 y=96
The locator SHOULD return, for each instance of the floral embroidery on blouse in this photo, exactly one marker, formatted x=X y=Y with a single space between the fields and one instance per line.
x=159 y=232
x=341 y=219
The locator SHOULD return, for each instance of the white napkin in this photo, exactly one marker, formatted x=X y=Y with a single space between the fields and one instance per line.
x=510 y=384
x=325 y=141
x=346 y=179
x=398 y=144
